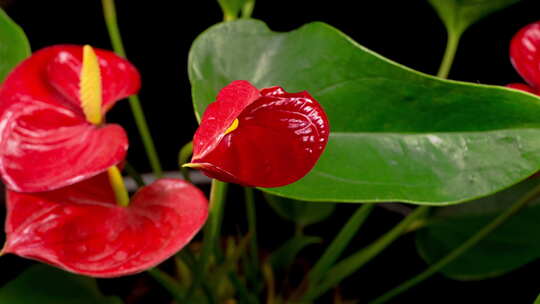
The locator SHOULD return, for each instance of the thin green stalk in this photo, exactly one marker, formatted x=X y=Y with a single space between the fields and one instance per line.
x=218 y=192
x=469 y=243
x=351 y=264
x=449 y=54
x=170 y=284
x=247 y=9
x=183 y=157
x=130 y=170
x=340 y=242
x=252 y=224
x=109 y=12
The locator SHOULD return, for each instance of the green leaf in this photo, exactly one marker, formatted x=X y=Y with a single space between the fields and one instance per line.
x=458 y=15
x=14 y=46
x=537 y=300
x=396 y=134
x=508 y=247
x=285 y=255
x=46 y=285
x=300 y=212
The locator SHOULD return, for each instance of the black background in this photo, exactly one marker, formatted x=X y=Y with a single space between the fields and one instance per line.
x=157 y=36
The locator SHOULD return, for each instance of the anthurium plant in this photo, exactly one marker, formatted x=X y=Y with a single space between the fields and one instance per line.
x=302 y=122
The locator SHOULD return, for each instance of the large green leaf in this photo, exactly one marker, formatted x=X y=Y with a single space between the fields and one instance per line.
x=537 y=301
x=508 y=247
x=46 y=285
x=14 y=46
x=458 y=15
x=396 y=134
x=301 y=212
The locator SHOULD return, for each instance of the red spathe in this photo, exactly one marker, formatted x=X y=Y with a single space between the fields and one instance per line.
x=278 y=139
x=45 y=141
x=81 y=229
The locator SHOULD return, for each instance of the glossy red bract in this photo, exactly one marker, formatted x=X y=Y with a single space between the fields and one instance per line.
x=525 y=56
x=45 y=141
x=80 y=228
x=278 y=139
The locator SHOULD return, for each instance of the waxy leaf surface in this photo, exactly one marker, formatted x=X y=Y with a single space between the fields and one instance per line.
x=396 y=134
x=45 y=141
x=46 y=285
x=81 y=229
x=508 y=247
x=14 y=46
x=269 y=138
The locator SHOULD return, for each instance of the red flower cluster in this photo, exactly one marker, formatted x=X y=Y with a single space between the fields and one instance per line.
x=525 y=56
x=56 y=158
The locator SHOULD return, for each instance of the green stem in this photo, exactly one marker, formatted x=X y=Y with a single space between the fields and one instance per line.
x=351 y=264
x=247 y=9
x=252 y=224
x=218 y=192
x=130 y=170
x=449 y=54
x=170 y=284
x=183 y=157
x=109 y=12
x=451 y=256
x=340 y=242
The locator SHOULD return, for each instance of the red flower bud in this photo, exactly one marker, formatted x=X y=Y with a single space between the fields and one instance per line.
x=46 y=141
x=525 y=54
x=81 y=229
x=266 y=138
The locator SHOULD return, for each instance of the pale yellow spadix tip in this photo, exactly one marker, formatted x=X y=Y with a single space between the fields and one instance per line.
x=232 y=127
x=192 y=165
x=90 y=86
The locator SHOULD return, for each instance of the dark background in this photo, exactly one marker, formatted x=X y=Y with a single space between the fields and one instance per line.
x=157 y=36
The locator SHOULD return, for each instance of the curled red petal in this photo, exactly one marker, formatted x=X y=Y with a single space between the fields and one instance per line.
x=44 y=147
x=81 y=230
x=51 y=75
x=521 y=87
x=278 y=140
x=219 y=115
x=525 y=53
x=46 y=142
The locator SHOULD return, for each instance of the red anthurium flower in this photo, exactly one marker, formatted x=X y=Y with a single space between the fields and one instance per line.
x=266 y=138
x=46 y=140
x=525 y=56
x=81 y=229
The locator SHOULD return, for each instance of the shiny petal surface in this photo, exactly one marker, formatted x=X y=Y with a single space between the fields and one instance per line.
x=44 y=147
x=46 y=142
x=230 y=102
x=80 y=229
x=279 y=138
x=525 y=53
x=51 y=75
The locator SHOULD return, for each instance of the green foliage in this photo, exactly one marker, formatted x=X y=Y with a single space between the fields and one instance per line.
x=232 y=8
x=396 y=134
x=458 y=15
x=14 y=46
x=46 y=285
x=510 y=246
x=285 y=255
x=300 y=212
